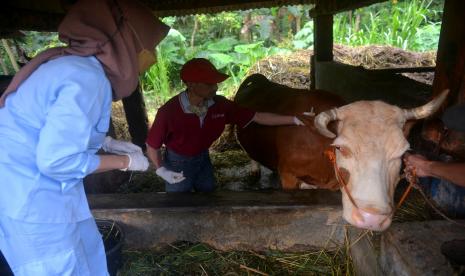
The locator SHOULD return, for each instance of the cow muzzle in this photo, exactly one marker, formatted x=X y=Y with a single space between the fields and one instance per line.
x=370 y=219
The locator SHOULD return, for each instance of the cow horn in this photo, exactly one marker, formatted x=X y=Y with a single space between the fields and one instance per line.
x=427 y=109
x=322 y=120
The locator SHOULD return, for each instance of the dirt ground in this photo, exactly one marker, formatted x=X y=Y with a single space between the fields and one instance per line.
x=230 y=162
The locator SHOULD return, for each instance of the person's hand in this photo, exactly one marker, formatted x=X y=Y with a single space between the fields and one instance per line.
x=137 y=162
x=417 y=163
x=298 y=122
x=170 y=176
x=119 y=147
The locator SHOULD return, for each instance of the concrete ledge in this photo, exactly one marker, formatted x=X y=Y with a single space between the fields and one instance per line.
x=409 y=248
x=414 y=248
x=227 y=220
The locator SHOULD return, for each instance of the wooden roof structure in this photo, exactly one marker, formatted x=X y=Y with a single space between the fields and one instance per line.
x=45 y=15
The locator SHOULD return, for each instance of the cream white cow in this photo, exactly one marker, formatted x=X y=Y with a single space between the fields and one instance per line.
x=369 y=144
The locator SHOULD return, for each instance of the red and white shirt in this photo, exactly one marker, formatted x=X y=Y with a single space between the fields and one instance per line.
x=185 y=133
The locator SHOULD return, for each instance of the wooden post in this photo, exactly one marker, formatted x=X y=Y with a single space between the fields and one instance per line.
x=323 y=37
x=450 y=73
x=323 y=44
x=312 y=72
x=450 y=60
x=136 y=116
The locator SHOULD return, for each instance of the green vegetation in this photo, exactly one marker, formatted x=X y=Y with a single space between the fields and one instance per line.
x=239 y=40
x=407 y=25
x=234 y=41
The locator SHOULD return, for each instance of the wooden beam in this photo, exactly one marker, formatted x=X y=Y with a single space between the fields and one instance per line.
x=13 y=19
x=405 y=70
x=189 y=7
x=450 y=71
x=312 y=72
x=323 y=38
x=450 y=63
x=323 y=7
x=45 y=15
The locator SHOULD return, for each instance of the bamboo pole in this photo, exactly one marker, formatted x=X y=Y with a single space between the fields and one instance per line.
x=10 y=54
x=4 y=68
x=194 y=30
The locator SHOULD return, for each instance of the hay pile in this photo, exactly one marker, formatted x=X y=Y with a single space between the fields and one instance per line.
x=199 y=259
x=378 y=57
x=118 y=117
x=293 y=70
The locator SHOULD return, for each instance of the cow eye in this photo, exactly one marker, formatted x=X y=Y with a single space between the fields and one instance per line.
x=344 y=150
x=338 y=147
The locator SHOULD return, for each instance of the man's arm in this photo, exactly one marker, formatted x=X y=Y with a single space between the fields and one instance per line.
x=169 y=176
x=272 y=119
x=453 y=172
x=154 y=156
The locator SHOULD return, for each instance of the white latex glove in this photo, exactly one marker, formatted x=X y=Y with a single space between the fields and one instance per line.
x=170 y=176
x=137 y=162
x=298 y=122
x=119 y=147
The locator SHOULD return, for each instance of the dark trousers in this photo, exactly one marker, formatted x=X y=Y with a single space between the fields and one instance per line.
x=197 y=170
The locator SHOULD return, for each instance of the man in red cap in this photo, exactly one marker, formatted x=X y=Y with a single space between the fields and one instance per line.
x=191 y=121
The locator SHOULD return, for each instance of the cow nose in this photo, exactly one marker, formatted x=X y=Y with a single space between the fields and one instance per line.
x=370 y=221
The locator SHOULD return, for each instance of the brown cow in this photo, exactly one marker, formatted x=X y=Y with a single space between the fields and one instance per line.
x=369 y=145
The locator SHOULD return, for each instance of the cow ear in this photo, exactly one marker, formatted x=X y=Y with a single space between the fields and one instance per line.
x=408 y=127
x=433 y=130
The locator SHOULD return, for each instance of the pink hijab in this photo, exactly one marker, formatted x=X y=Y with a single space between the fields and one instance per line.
x=110 y=30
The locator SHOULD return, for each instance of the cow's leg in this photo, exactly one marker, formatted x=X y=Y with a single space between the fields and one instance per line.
x=288 y=181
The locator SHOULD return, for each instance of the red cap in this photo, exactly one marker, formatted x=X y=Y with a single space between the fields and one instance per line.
x=201 y=70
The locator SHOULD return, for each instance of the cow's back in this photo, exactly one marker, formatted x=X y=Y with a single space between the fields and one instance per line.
x=297 y=150
x=258 y=93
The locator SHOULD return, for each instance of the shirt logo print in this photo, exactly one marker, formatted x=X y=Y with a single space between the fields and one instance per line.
x=216 y=116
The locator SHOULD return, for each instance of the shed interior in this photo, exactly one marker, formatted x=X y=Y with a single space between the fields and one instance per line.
x=353 y=83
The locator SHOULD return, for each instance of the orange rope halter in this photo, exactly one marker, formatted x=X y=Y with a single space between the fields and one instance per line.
x=331 y=154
